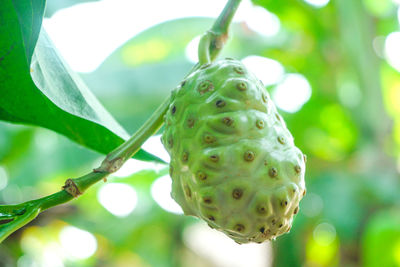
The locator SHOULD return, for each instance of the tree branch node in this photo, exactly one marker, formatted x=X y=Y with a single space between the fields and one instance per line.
x=71 y=188
x=110 y=166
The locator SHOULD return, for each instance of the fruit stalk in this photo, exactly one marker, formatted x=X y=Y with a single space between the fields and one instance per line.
x=212 y=42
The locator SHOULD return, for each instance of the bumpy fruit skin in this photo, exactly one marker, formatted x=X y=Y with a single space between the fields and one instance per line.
x=233 y=161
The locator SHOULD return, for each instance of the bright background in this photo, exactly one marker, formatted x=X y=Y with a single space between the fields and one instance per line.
x=332 y=68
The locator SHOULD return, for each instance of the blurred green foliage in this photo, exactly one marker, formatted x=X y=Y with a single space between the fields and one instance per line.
x=350 y=215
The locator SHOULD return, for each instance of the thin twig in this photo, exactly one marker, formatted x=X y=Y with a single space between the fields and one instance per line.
x=212 y=42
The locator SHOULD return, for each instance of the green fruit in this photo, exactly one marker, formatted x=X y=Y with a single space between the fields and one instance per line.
x=233 y=161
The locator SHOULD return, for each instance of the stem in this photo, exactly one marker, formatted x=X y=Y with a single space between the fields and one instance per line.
x=55 y=199
x=118 y=156
x=113 y=161
x=74 y=187
x=212 y=42
x=221 y=25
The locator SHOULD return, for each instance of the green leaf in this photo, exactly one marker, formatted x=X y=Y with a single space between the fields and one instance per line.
x=59 y=100
x=13 y=217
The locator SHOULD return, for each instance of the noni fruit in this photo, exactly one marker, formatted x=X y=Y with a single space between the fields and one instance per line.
x=233 y=161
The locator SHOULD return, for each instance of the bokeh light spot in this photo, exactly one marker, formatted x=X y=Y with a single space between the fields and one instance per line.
x=3 y=178
x=77 y=243
x=398 y=12
x=324 y=234
x=322 y=248
x=269 y=71
x=132 y=166
x=26 y=261
x=311 y=205
x=392 y=98
x=151 y=51
x=335 y=137
x=119 y=199
x=12 y=194
x=339 y=126
x=378 y=43
x=392 y=50
x=292 y=93
x=154 y=145
x=317 y=3
x=259 y=19
x=191 y=50
x=379 y=8
x=349 y=94
x=161 y=193
x=46 y=140
x=52 y=255
x=222 y=251
x=396 y=134
x=396 y=252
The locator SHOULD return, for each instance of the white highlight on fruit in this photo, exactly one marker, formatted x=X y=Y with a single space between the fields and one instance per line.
x=119 y=199
x=161 y=193
x=292 y=93
x=132 y=166
x=3 y=178
x=221 y=251
x=269 y=71
x=392 y=51
x=311 y=205
x=324 y=234
x=317 y=3
x=76 y=243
